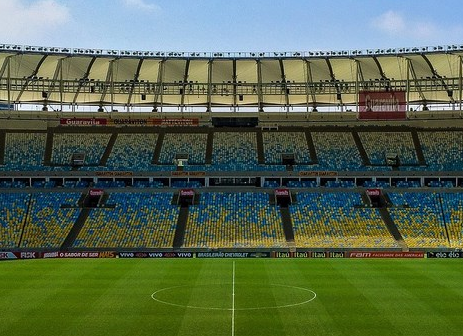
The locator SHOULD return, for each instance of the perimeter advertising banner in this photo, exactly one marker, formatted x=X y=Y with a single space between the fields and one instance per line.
x=19 y=255
x=139 y=254
x=390 y=105
x=310 y=254
x=83 y=122
x=167 y=122
x=445 y=254
x=385 y=254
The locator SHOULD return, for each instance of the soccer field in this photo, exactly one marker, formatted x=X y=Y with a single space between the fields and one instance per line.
x=231 y=297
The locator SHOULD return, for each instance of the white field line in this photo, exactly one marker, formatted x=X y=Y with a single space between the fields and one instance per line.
x=233 y=301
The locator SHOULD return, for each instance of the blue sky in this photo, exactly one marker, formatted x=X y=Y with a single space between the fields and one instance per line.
x=232 y=25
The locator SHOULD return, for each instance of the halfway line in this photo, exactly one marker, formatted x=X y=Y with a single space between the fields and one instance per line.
x=233 y=301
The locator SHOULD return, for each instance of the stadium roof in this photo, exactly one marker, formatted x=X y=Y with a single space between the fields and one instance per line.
x=39 y=75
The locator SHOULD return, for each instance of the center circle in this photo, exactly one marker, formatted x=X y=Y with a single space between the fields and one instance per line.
x=257 y=295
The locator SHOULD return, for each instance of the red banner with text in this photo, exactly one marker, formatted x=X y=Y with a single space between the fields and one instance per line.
x=389 y=105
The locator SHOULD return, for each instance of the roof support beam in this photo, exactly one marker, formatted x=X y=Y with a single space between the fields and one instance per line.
x=436 y=74
x=358 y=78
x=57 y=73
x=31 y=77
x=234 y=77
x=460 y=82
x=310 y=89
x=109 y=84
x=6 y=67
x=184 y=85
x=284 y=86
x=412 y=72
x=84 y=80
x=159 y=87
x=260 y=97
x=134 y=82
x=209 y=86
x=335 y=82
x=380 y=68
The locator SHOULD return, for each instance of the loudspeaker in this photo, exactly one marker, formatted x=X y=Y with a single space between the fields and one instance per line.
x=143 y=97
x=44 y=95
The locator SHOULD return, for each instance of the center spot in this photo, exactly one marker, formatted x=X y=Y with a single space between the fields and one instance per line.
x=247 y=296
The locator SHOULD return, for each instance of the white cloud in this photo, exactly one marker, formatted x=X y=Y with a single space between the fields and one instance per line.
x=28 y=23
x=390 y=22
x=397 y=25
x=142 y=5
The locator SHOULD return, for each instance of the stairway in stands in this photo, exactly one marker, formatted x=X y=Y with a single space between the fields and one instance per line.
x=393 y=230
x=361 y=149
x=79 y=224
x=288 y=228
x=418 y=148
x=181 y=225
x=108 y=150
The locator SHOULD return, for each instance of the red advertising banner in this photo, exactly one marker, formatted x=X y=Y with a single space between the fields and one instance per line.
x=96 y=192
x=390 y=105
x=83 y=121
x=187 y=192
x=168 y=122
x=281 y=192
x=373 y=192
x=383 y=254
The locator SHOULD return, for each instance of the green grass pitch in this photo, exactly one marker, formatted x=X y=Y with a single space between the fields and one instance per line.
x=290 y=297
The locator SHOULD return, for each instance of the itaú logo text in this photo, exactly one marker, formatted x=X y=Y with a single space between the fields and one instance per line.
x=387 y=104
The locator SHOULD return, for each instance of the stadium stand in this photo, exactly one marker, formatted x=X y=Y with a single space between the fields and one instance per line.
x=419 y=218
x=234 y=151
x=24 y=151
x=336 y=151
x=132 y=151
x=193 y=144
x=442 y=150
x=278 y=143
x=48 y=224
x=13 y=211
x=234 y=220
x=137 y=220
x=452 y=205
x=67 y=144
x=379 y=144
x=338 y=220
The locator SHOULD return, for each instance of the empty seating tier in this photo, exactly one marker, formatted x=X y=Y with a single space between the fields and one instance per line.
x=138 y=220
x=48 y=224
x=234 y=220
x=338 y=220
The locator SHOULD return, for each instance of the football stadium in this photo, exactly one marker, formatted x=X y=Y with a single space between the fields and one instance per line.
x=231 y=193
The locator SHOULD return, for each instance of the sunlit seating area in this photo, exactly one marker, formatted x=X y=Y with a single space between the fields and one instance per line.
x=234 y=220
x=138 y=220
x=13 y=212
x=47 y=224
x=452 y=203
x=338 y=220
x=419 y=218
